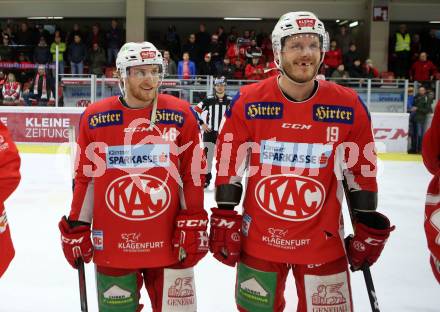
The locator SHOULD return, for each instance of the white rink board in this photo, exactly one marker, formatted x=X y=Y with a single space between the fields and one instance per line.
x=390 y=132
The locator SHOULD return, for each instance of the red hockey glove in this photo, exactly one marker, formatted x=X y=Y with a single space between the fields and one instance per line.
x=372 y=232
x=190 y=241
x=224 y=238
x=76 y=242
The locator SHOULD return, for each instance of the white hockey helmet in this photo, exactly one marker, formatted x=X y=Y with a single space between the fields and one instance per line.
x=135 y=54
x=294 y=23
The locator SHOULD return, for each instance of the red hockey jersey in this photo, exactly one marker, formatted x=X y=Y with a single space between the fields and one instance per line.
x=9 y=179
x=431 y=158
x=292 y=205
x=132 y=181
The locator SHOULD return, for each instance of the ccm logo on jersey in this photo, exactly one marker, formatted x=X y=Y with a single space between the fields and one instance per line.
x=290 y=197
x=170 y=117
x=138 y=197
x=333 y=113
x=264 y=110
x=287 y=125
x=104 y=119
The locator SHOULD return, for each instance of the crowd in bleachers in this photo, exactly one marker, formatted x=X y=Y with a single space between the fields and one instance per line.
x=26 y=51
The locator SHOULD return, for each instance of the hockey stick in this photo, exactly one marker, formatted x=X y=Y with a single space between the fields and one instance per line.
x=365 y=269
x=82 y=285
x=79 y=261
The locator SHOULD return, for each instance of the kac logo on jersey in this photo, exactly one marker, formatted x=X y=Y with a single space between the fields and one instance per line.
x=290 y=197
x=333 y=113
x=104 y=119
x=264 y=110
x=98 y=239
x=138 y=197
x=169 y=117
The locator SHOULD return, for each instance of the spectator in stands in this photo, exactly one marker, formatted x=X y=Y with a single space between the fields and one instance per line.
x=40 y=91
x=192 y=48
x=344 y=39
x=423 y=70
x=42 y=52
x=340 y=73
x=172 y=41
x=238 y=69
x=351 y=56
x=356 y=70
x=266 y=47
x=253 y=50
x=77 y=55
x=203 y=39
x=402 y=52
x=432 y=47
x=222 y=37
x=254 y=71
x=75 y=31
x=11 y=91
x=170 y=68
x=61 y=49
x=416 y=47
x=24 y=35
x=216 y=51
x=227 y=69
x=5 y=49
x=186 y=69
x=421 y=108
x=332 y=59
x=232 y=50
x=25 y=73
x=114 y=42
x=8 y=31
x=370 y=72
x=42 y=32
x=96 y=36
x=206 y=67
x=97 y=60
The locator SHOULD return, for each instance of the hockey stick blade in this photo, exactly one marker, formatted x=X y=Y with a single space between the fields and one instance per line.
x=82 y=285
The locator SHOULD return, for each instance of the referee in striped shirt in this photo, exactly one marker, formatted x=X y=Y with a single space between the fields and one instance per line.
x=211 y=111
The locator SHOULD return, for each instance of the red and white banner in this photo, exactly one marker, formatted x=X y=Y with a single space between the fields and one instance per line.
x=40 y=124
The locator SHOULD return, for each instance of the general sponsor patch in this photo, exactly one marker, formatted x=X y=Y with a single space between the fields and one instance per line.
x=333 y=113
x=278 y=238
x=169 y=117
x=264 y=110
x=179 y=292
x=138 y=156
x=327 y=293
x=98 y=239
x=255 y=290
x=3 y=222
x=105 y=119
x=133 y=242
x=300 y=155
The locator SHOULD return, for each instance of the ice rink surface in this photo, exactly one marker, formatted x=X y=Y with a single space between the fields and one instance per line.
x=39 y=278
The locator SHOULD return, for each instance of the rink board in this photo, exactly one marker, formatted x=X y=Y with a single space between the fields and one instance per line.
x=48 y=126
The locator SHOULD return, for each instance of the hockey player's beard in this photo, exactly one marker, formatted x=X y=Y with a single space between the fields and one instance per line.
x=298 y=74
x=141 y=95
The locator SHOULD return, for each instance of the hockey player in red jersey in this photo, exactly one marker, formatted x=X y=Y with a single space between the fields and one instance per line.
x=298 y=137
x=139 y=183
x=431 y=158
x=9 y=179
